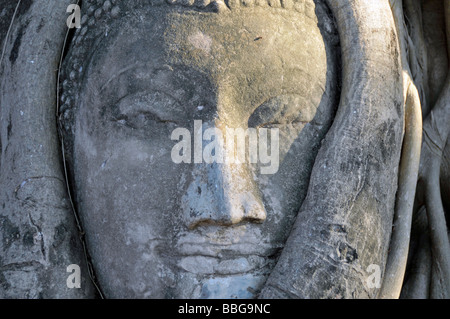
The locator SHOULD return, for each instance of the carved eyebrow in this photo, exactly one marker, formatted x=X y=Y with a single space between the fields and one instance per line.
x=135 y=65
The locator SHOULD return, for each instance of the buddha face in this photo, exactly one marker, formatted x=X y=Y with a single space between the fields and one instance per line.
x=160 y=229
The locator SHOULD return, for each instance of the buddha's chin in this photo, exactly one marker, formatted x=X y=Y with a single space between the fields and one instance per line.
x=234 y=276
x=238 y=286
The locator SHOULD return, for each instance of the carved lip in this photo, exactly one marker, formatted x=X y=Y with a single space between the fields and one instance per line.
x=226 y=243
x=213 y=265
x=225 y=260
x=224 y=251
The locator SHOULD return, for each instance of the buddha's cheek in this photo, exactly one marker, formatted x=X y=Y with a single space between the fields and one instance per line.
x=128 y=190
x=135 y=175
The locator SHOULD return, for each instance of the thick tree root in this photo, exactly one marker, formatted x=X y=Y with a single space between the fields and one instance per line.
x=409 y=169
x=435 y=133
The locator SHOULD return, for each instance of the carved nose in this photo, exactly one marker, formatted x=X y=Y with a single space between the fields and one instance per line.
x=222 y=194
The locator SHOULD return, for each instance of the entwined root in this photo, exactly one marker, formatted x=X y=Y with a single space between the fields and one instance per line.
x=436 y=128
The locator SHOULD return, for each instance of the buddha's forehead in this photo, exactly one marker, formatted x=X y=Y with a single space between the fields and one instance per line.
x=255 y=43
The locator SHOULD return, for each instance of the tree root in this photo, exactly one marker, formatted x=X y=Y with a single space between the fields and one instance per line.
x=409 y=168
x=435 y=133
x=417 y=51
x=417 y=285
x=440 y=246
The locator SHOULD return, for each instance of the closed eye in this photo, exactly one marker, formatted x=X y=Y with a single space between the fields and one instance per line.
x=140 y=120
x=282 y=110
x=141 y=109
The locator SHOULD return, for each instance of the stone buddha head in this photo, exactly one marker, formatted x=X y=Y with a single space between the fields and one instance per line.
x=136 y=74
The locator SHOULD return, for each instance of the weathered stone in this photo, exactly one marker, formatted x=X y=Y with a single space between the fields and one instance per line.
x=138 y=73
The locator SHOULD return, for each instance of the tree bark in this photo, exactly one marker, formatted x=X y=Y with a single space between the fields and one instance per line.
x=40 y=238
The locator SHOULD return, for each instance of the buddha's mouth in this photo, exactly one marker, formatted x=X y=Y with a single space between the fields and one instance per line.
x=204 y=265
x=227 y=258
x=224 y=251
